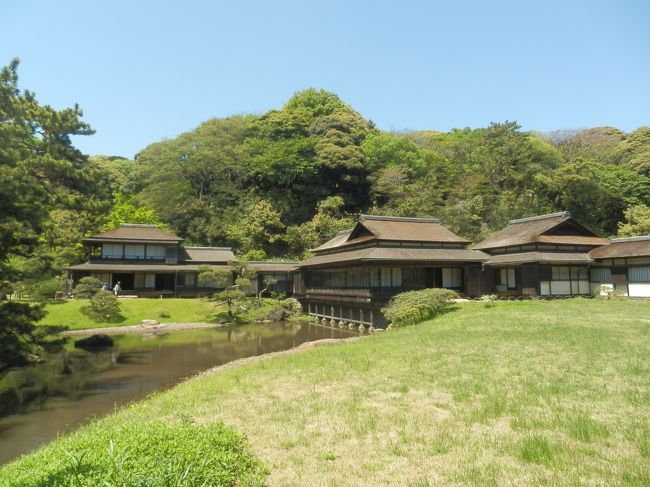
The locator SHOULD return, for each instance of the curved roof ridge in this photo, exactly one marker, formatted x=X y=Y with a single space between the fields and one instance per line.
x=139 y=225
x=559 y=214
x=207 y=248
x=399 y=218
x=638 y=238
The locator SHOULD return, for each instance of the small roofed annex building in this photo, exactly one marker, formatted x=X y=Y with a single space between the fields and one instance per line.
x=622 y=266
x=545 y=255
x=352 y=276
x=149 y=261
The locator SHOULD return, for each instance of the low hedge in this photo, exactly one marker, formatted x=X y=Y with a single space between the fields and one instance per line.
x=412 y=307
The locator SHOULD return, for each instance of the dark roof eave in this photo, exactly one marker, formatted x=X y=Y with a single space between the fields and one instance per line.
x=129 y=240
x=392 y=261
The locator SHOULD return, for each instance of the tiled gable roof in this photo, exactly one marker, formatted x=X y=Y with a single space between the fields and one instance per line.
x=539 y=229
x=388 y=228
x=135 y=232
x=623 y=247
x=208 y=254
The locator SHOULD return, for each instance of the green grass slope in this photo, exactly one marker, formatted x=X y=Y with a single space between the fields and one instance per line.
x=525 y=393
x=68 y=313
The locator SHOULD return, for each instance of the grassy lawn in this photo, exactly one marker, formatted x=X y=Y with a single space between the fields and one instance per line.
x=525 y=393
x=169 y=310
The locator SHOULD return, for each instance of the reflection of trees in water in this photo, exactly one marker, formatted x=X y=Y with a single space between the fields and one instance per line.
x=76 y=373
x=65 y=374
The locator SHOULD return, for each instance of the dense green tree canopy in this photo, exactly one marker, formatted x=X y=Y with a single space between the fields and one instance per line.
x=280 y=183
x=43 y=178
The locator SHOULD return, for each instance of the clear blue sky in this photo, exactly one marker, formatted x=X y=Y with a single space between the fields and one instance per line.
x=143 y=71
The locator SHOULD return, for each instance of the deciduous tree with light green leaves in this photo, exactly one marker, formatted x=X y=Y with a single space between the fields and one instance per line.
x=637 y=222
x=125 y=210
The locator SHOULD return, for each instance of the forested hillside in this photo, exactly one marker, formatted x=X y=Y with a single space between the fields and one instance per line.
x=286 y=180
x=280 y=183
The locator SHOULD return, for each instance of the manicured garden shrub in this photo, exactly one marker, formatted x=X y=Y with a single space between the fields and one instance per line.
x=104 y=306
x=87 y=287
x=46 y=290
x=140 y=453
x=413 y=307
x=292 y=305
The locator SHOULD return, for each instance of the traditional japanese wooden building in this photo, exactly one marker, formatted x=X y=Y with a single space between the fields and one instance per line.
x=149 y=261
x=279 y=272
x=622 y=266
x=351 y=277
x=545 y=255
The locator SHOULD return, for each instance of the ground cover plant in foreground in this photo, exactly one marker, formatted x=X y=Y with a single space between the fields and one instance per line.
x=522 y=393
x=153 y=454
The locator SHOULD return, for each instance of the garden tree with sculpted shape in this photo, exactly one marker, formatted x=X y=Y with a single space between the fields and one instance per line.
x=232 y=295
x=87 y=287
x=269 y=282
x=40 y=170
x=104 y=306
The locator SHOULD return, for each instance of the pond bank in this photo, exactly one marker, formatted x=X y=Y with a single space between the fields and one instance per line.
x=162 y=327
x=259 y=358
x=522 y=393
x=40 y=403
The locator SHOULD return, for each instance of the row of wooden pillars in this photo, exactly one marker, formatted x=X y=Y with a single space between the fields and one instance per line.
x=335 y=316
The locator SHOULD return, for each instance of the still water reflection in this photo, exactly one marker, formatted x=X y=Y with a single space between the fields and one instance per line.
x=40 y=402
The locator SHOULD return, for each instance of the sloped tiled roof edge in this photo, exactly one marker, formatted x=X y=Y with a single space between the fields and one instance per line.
x=135 y=232
x=399 y=218
x=559 y=214
x=529 y=230
x=623 y=247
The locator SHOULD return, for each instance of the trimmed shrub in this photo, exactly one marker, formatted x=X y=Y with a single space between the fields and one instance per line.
x=104 y=306
x=412 y=307
x=87 y=287
x=292 y=305
x=163 y=313
x=46 y=290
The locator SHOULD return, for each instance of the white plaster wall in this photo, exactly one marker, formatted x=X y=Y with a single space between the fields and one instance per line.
x=639 y=289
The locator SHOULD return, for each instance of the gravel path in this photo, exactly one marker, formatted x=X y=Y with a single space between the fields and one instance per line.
x=117 y=330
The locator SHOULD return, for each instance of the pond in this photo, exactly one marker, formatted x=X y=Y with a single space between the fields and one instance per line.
x=40 y=402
